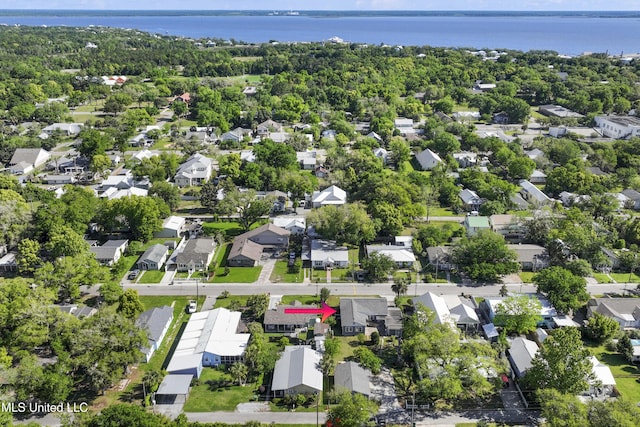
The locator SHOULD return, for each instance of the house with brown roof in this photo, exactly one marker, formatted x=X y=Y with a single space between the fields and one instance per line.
x=248 y=247
x=244 y=253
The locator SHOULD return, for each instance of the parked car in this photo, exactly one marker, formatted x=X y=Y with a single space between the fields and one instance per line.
x=192 y=307
x=133 y=275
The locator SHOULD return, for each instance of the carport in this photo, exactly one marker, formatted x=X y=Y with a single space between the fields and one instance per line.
x=173 y=389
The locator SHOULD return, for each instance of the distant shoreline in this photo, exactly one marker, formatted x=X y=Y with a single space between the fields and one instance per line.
x=319 y=13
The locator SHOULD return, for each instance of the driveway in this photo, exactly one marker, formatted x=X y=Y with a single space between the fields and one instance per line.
x=383 y=390
x=267 y=268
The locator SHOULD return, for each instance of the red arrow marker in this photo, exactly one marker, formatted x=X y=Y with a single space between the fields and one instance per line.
x=325 y=310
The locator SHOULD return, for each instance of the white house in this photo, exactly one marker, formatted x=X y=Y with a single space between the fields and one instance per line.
x=68 y=129
x=428 y=159
x=325 y=253
x=382 y=154
x=521 y=354
x=295 y=225
x=404 y=126
x=172 y=227
x=402 y=256
x=195 y=171
x=618 y=127
x=24 y=160
x=533 y=194
x=110 y=251
x=450 y=309
x=333 y=195
x=156 y=322
x=297 y=371
x=209 y=339
x=470 y=199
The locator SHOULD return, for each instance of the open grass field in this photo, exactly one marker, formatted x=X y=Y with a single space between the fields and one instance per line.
x=626 y=375
x=217 y=391
x=624 y=277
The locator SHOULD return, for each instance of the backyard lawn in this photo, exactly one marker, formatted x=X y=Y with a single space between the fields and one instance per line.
x=216 y=391
x=626 y=375
x=230 y=229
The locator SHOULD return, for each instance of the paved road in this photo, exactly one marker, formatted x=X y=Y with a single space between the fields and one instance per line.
x=383 y=289
x=263 y=417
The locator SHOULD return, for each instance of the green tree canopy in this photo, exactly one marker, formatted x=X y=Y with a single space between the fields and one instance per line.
x=484 y=257
x=565 y=290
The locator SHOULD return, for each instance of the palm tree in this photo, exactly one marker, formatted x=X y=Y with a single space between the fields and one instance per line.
x=240 y=372
x=400 y=285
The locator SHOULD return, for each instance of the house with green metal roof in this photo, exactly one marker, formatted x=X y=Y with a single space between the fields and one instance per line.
x=474 y=224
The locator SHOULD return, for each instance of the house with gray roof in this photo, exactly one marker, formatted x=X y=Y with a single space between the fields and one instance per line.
x=153 y=258
x=533 y=194
x=195 y=171
x=520 y=355
x=156 y=322
x=531 y=257
x=196 y=255
x=634 y=198
x=625 y=311
x=78 y=310
x=356 y=314
x=470 y=199
x=248 y=247
x=297 y=371
x=440 y=257
x=276 y=320
x=174 y=389
x=325 y=253
x=428 y=160
x=110 y=251
x=24 y=160
x=244 y=253
x=351 y=377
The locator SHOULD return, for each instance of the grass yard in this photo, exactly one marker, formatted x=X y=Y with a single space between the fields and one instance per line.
x=237 y=275
x=627 y=376
x=624 y=277
x=304 y=299
x=216 y=391
x=241 y=301
x=526 y=276
x=151 y=276
x=601 y=278
x=347 y=345
x=281 y=273
x=438 y=211
x=229 y=229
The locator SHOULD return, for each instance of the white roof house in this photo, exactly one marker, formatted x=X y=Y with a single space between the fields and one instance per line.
x=297 y=371
x=381 y=153
x=172 y=226
x=295 y=225
x=143 y=154
x=428 y=159
x=66 y=128
x=402 y=256
x=619 y=127
x=449 y=309
x=325 y=253
x=603 y=381
x=333 y=195
x=209 y=339
x=194 y=171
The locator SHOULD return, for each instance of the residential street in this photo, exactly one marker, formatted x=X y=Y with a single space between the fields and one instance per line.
x=182 y=288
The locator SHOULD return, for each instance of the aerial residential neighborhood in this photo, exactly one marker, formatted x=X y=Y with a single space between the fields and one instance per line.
x=174 y=230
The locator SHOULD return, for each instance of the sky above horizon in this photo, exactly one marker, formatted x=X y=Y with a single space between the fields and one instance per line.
x=364 y=5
